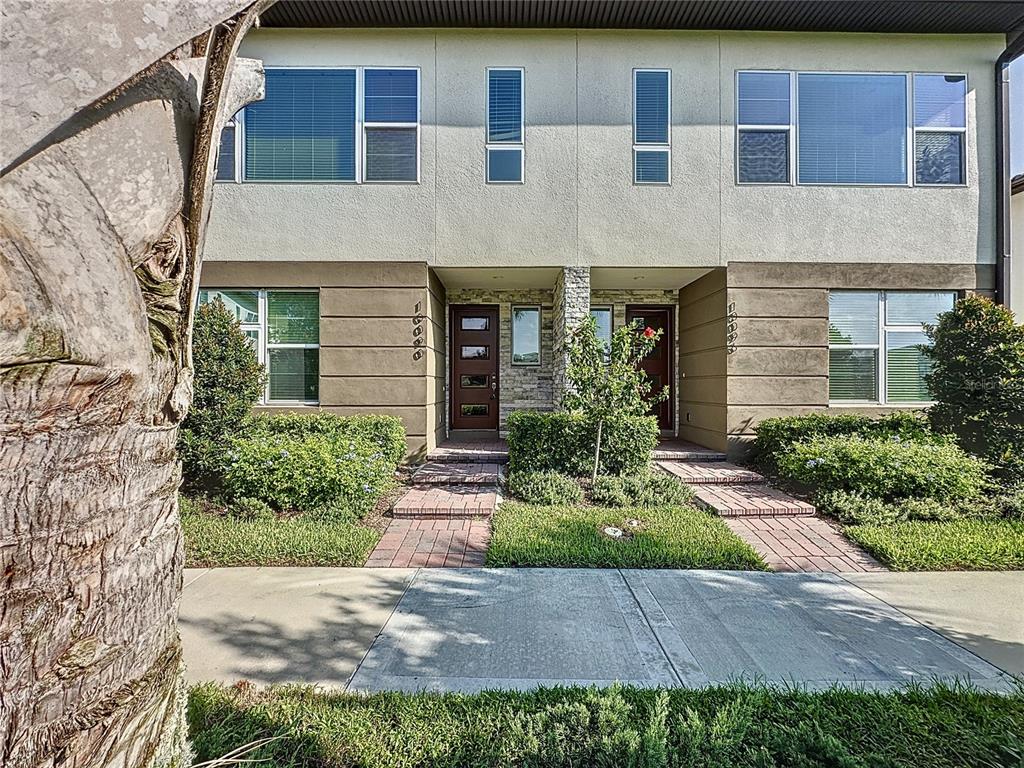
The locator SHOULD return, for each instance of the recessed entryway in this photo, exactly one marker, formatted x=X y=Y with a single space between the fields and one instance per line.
x=474 y=367
x=659 y=364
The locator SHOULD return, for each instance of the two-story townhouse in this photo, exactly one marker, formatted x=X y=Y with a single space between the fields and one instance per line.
x=432 y=194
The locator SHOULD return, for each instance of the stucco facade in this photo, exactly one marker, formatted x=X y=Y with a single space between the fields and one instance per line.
x=745 y=270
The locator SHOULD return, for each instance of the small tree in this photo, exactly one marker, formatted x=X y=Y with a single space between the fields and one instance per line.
x=228 y=383
x=977 y=381
x=605 y=382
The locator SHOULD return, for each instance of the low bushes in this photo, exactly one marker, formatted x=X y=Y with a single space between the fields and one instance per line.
x=776 y=436
x=885 y=469
x=545 y=488
x=564 y=442
x=643 y=490
x=308 y=471
x=386 y=432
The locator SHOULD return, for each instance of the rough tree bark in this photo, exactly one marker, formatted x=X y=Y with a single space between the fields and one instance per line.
x=109 y=116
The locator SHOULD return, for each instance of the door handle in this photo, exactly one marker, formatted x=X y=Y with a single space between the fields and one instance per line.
x=494 y=387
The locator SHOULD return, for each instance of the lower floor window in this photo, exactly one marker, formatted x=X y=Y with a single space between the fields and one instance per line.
x=284 y=327
x=875 y=340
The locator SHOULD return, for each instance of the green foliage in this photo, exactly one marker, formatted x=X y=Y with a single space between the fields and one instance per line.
x=855 y=508
x=650 y=489
x=386 y=432
x=922 y=545
x=886 y=469
x=214 y=541
x=227 y=384
x=777 y=435
x=574 y=537
x=308 y=472
x=605 y=384
x=564 y=442
x=731 y=726
x=247 y=508
x=547 y=487
x=977 y=380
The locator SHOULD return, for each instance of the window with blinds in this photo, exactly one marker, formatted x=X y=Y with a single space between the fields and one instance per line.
x=940 y=129
x=764 y=132
x=305 y=127
x=227 y=167
x=505 y=146
x=391 y=125
x=651 y=126
x=875 y=344
x=284 y=327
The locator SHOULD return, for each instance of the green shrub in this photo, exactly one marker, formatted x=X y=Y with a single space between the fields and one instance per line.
x=777 y=435
x=857 y=509
x=309 y=472
x=886 y=469
x=546 y=488
x=564 y=442
x=248 y=508
x=977 y=380
x=642 y=490
x=228 y=380
x=387 y=432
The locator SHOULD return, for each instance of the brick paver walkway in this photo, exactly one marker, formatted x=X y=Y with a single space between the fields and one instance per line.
x=802 y=544
x=446 y=501
x=749 y=500
x=710 y=472
x=444 y=542
x=451 y=473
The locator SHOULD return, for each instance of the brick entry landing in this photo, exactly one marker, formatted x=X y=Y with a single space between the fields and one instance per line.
x=448 y=543
x=802 y=544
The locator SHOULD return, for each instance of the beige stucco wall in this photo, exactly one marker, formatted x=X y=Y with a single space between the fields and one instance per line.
x=579 y=205
x=1017 y=260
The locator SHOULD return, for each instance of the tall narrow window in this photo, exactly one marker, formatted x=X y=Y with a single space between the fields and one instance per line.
x=940 y=129
x=651 y=126
x=505 y=145
x=227 y=165
x=525 y=335
x=875 y=344
x=603 y=318
x=391 y=115
x=305 y=127
x=852 y=128
x=284 y=327
x=764 y=119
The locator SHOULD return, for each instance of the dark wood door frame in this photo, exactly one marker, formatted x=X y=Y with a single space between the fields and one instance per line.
x=484 y=371
x=670 y=360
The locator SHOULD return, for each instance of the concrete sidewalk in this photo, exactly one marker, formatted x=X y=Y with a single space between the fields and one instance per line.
x=471 y=629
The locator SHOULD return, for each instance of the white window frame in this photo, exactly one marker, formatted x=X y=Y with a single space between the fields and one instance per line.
x=506 y=145
x=881 y=347
x=263 y=345
x=362 y=125
x=512 y=334
x=794 y=130
x=610 y=309
x=238 y=121
x=666 y=148
x=789 y=128
x=961 y=131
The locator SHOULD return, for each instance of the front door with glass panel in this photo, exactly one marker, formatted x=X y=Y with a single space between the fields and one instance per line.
x=657 y=365
x=474 y=367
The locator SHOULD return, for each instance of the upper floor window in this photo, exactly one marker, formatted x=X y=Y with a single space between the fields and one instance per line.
x=875 y=340
x=940 y=127
x=850 y=128
x=651 y=126
x=505 y=145
x=308 y=128
x=227 y=160
x=284 y=327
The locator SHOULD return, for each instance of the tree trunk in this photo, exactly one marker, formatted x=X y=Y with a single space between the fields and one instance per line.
x=597 y=452
x=101 y=231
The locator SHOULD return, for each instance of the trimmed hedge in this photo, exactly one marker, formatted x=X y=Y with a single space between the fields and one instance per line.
x=344 y=473
x=886 y=469
x=545 y=488
x=777 y=435
x=386 y=432
x=564 y=442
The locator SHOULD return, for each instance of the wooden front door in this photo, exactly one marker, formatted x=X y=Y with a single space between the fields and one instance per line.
x=474 y=367
x=658 y=365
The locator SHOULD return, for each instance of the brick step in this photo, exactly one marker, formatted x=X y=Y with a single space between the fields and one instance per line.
x=467 y=455
x=676 y=450
x=422 y=501
x=441 y=473
x=750 y=501
x=710 y=472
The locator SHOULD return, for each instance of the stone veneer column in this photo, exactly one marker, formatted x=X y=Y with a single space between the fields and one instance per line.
x=571 y=306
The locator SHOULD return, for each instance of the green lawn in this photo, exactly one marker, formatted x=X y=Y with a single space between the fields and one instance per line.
x=216 y=541
x=989 y=545
x=732 y=726
x=568 y=537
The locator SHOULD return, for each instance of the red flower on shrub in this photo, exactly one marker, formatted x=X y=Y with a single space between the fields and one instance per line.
x=648 y=332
